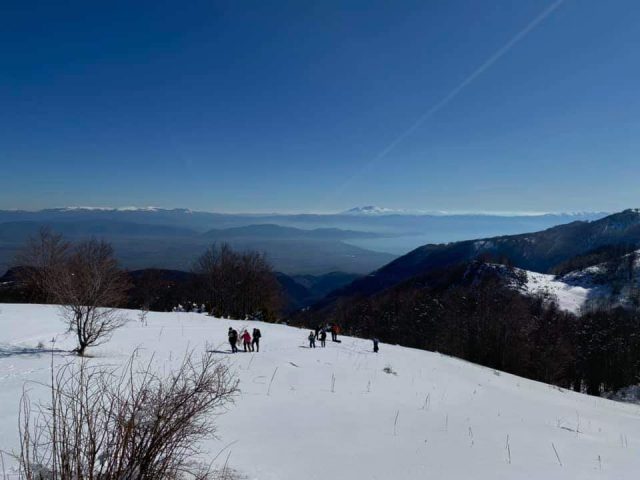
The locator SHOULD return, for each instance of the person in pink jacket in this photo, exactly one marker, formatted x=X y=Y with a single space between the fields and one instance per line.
x=246 y=341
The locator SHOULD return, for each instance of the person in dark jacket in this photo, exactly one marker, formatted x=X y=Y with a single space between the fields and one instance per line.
x=312 y=339
x=323 y=338
x=233 y=340
x=256 y=339
x=375 y=345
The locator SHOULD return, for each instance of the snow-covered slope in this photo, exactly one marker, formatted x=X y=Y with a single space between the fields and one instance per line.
x=434 y=417
x=612 y=283
x=570 y=297
x=569 y=292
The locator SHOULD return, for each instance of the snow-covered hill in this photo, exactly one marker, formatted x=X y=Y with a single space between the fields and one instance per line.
x=334 y=413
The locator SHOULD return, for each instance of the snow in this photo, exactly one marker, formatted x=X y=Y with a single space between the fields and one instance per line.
x=569 y=297
x=436 y=417
x=374 y=210
x=574 y=289
x=571 y=291
x=115 y=209
x=371 y=210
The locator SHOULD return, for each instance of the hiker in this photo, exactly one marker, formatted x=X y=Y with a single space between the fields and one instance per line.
x=335 y=330
x=256 y=339
x=318 y=329
x=323 y=338
x=246 y=341
x=312 y=340
x=233 y=339
x=375 y=345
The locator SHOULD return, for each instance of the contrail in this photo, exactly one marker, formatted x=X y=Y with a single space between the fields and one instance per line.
x=454 y=93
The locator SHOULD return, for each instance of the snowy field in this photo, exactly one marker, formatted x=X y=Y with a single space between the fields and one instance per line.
x=334 y=413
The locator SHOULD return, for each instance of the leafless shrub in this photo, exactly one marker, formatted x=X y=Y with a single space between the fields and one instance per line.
x=124 y=423
x=142 y=316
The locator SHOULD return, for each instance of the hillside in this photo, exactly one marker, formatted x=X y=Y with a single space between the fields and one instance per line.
x=539 y=251
x=334 y=412
x=302 y=291
x=614 y=283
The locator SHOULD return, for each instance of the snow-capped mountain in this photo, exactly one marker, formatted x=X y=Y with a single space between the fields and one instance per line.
x=373 y=210
x=119 y=209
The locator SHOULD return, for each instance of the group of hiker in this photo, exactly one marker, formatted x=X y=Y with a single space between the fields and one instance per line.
x=320 y=333
x=251 y=343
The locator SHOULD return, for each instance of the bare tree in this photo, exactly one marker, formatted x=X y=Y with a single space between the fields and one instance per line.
x=40 y=261
x=238 y=284
x=83 y=278
x=124 y=423
x=89 y=288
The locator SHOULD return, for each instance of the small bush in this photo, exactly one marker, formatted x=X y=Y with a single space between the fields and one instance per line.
x=388 y=369
x=124 y=423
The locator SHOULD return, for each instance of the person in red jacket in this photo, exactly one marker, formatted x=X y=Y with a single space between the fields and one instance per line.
x=246 y=341
x=335 y=330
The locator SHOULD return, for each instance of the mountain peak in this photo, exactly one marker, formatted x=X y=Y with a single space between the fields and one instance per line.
x=371 y=210
x=622 y=220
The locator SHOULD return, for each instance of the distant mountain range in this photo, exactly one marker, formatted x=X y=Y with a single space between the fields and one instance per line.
x=373 y=210
x=272 y=231
x=315 y=244
x=322 y=262
x=144 y=245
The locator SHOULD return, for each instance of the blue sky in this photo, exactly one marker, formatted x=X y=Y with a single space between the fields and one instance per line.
x=288 y=106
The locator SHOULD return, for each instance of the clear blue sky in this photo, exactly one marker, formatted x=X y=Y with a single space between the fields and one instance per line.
x=292 y=106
